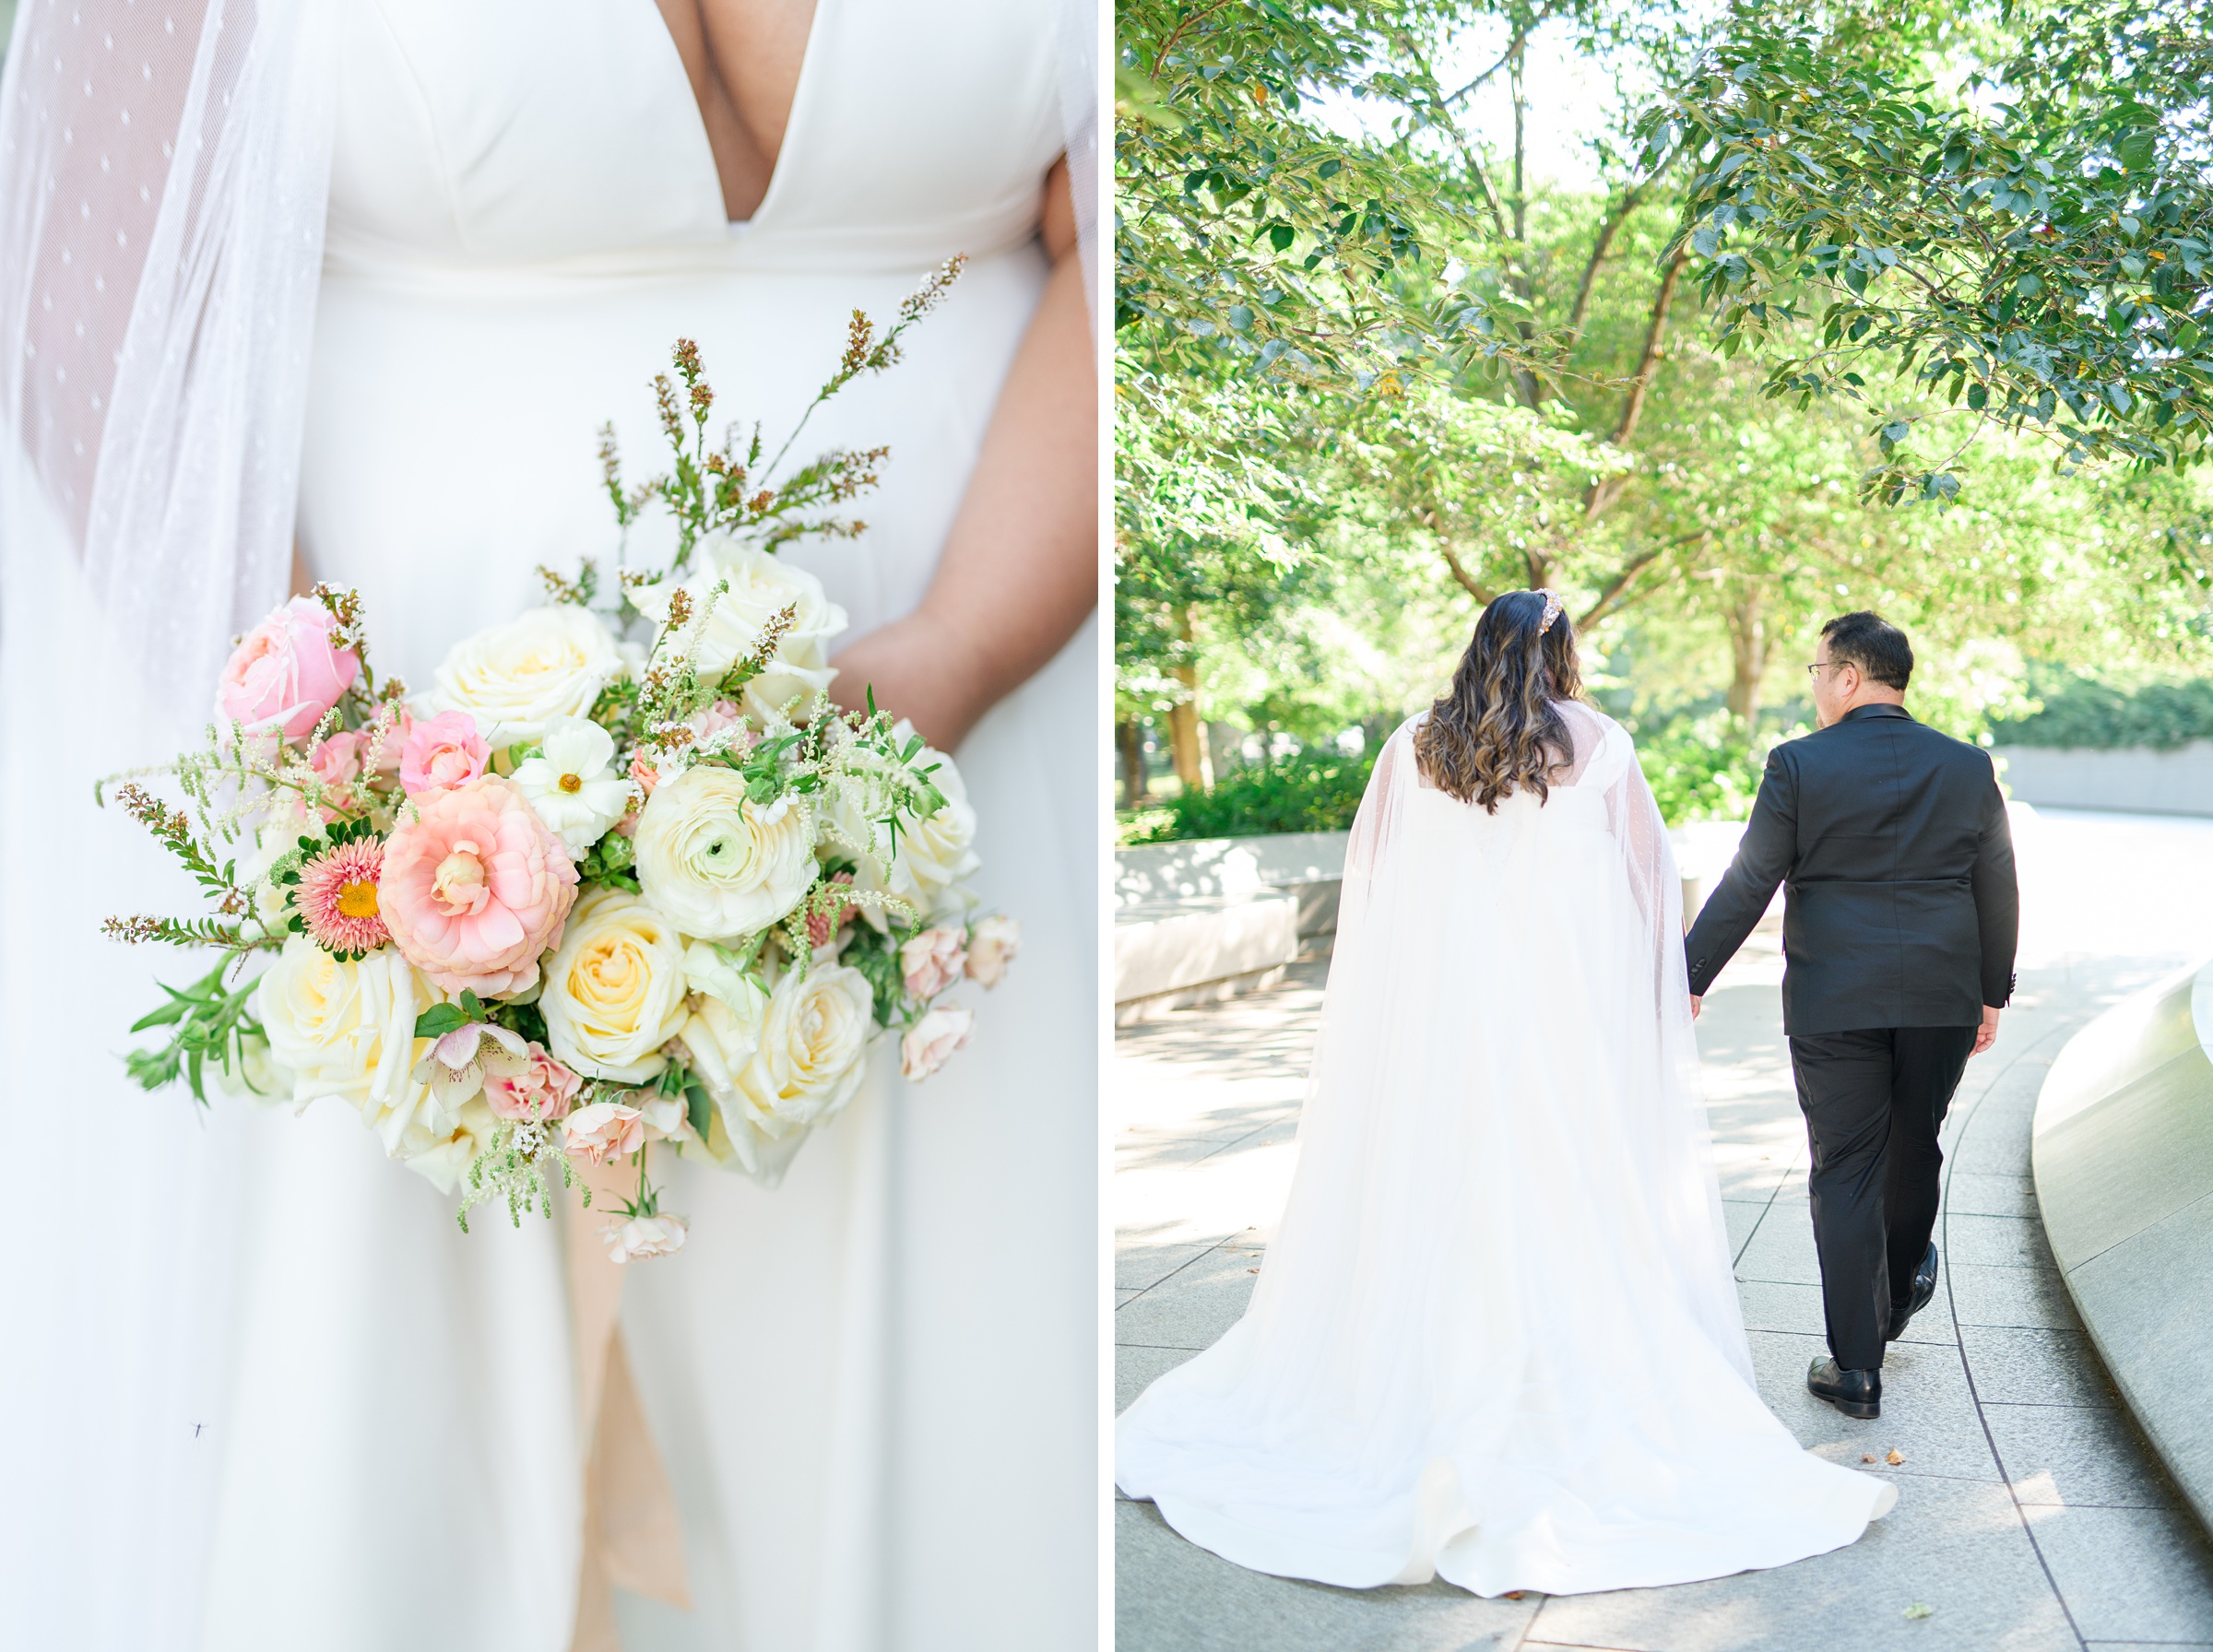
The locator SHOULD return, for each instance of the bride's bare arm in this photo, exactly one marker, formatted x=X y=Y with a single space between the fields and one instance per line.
x=1020 y=568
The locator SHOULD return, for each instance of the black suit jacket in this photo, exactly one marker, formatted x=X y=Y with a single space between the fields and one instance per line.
x=1901 y=909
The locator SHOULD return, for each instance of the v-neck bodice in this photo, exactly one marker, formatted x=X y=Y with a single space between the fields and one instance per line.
x=489 y=134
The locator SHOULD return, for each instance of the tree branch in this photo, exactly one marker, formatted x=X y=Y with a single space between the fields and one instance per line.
x=1175 y=34
x=1514 y=45
x=1610 y=595
x=1631 y=199
x=1468 y=582
x=1607 y=489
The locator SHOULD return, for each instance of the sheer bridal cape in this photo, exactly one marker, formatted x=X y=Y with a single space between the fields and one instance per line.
x=1496 y=1339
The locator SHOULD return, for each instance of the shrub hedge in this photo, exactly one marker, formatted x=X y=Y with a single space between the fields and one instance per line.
x=1315 y=791
x=2083 y=712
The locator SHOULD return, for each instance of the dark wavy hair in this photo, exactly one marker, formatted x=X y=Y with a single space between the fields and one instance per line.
x=1498 y=729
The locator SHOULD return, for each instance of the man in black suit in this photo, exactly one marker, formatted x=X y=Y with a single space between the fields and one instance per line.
x=1898 y=930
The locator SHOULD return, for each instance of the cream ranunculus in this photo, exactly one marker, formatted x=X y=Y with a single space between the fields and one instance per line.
x=347 y=1030
x=814 y=1042
x=761 y=586
x=934 y=854
x=615 y=988
x=515 y=679
x=719 y=865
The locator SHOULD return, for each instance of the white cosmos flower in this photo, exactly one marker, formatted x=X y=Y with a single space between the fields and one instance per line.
x=573 y=785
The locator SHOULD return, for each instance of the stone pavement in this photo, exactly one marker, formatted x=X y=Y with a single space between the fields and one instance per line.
x=2032 y=1516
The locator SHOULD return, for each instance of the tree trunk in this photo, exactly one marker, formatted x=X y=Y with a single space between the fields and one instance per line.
x=1749 y=656
x=1525 y=383
x=1189 y=750
x=1131 y=739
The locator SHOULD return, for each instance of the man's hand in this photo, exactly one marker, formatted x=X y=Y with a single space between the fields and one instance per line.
x=1985 y=1035
x=1696 y=999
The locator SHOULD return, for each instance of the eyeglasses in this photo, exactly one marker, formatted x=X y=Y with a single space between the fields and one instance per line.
x=1817 y=667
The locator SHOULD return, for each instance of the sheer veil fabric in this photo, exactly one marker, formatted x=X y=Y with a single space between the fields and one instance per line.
x=1496 y=1339
x=279 y=1399
x=163 y=174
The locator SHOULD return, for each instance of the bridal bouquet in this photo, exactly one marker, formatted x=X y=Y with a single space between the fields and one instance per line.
x=621 y=876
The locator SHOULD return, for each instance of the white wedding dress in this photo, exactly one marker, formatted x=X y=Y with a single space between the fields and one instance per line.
x=1497 y=1339
x=875 y=1388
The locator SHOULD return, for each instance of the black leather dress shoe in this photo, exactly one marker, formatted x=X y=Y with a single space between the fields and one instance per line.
x=1855 y=1393
x=1924 y=1292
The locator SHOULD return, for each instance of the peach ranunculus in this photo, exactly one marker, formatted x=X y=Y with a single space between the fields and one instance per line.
x=602 y=1131
x=932 y=961
x=441 y=751
x=543 y=1090
x=476 y=888
x=286 y=672
x=932 y=1040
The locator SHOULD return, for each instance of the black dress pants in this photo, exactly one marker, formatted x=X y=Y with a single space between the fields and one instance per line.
x=1874 y=1102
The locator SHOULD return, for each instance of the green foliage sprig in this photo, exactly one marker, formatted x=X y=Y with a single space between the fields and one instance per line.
x=730 y=490
x=207 y=1020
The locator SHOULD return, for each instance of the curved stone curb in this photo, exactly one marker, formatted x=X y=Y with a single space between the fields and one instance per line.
x=2122 y=1158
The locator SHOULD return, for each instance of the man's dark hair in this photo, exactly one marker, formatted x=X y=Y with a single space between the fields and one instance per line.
x=1870 y=641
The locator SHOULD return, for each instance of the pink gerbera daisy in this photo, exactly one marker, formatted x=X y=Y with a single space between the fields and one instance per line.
x=337 y=897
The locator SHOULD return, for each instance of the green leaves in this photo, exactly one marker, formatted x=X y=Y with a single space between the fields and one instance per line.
x=207 y=1021
x=441 y=1019
x=2044 y=247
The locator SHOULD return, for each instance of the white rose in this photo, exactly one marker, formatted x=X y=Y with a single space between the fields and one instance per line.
x=515 y=679
x=934 y=854
x=761 y=586
x=347 y=1030
x=993 y=944
x=445 y=1161
x=643 y=1236
x=573 y=785
x=252 y=1073
x=729 y=1012
x=813 y=1044
x=615 y=988
x=719 y=865
x=729 y=1009
x=931 y=1041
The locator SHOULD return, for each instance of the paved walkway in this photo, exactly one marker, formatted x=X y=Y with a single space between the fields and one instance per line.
x=2032 y=1516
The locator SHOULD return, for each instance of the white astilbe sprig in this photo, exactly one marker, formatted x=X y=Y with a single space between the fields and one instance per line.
x=512 y=1167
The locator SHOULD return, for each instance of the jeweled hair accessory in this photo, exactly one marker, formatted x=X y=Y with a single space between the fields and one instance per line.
x=1554 y=608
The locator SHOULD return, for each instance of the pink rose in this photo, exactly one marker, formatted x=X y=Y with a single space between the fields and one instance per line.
x=722 y=714
x=543 y=1090
x=286 y=673
x=643 y=1236
x=397 y=725
x=475 y=889
x=645 y=774
x=992 y=945
x=441 y=751
x=336 y=764
x=602 y=1131
x=931 y=1041
x=822 y=926
x=931 y=960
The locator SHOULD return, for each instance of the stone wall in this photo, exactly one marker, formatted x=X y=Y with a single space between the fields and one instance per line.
x=2134 y=778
